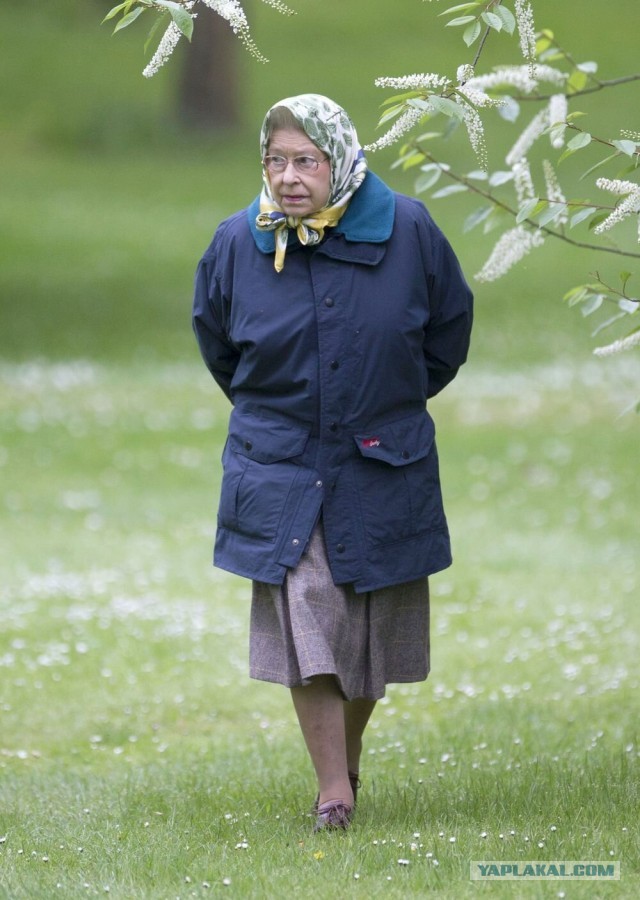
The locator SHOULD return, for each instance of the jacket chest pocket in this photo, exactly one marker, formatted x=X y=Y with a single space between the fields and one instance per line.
x=259 y=471
x=397 y=480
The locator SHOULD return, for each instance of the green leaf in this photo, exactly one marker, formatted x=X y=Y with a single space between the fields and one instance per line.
x=498 y=178
x=492 y=20
x=552 y=213
x=580 y=216
x=607 y=323
x=599 y=218
x=577 y=81
x=576 y=143
x=428 y=136
x=168 y=4
x=597 y=165
x=544 y=41
x=427 y=179
x=128 y=19
x=159 y=20
x=551 y=55
x=419 y=103
x=499 y=220
x=508 y=18
x=476 y=217
x=115 y=10
x=460 y=8
x=579 y=141
x=184 y=21
x=180 y=16
x=592 y=303
x=450 y=189
x=472 y=33
x=576 y=294
x=392 y=113
x=462 y=20
x=530 y=209
x=628 y=147
x=400 y=98
x=447 y=107
x=414 y=159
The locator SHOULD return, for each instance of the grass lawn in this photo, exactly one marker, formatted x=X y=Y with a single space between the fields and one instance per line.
x=137 y=759
x=137 y=756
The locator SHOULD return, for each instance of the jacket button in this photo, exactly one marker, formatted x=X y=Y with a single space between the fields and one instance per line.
x=295 y=542
x=318 y=484
x=334 y=364
x=333 y=426
x=405 y=454
x=329 y=301
x=248 y=445
x=340 y=548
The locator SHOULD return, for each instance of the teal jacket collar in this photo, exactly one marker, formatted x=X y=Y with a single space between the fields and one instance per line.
x=369 y=216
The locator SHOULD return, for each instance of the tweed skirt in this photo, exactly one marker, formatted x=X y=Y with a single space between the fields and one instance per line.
x=310 y=626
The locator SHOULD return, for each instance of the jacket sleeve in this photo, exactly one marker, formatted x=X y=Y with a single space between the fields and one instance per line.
x=447 y=334
x=220 y=355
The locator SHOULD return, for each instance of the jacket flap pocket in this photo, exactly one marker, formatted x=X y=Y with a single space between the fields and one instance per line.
x=399 y=443
x=265 y=439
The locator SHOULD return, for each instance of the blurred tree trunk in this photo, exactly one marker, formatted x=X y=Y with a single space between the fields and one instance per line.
x=208 y=92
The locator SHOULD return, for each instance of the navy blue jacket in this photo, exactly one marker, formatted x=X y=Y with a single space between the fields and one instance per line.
x=329 y=365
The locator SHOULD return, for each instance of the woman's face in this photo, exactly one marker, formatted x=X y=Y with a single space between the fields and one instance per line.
x=298 y=193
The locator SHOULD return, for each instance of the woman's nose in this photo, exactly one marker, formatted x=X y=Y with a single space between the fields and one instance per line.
x=290 y=173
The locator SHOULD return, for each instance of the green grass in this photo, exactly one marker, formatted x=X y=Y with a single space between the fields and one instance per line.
x=135 y=751
x=136 y=757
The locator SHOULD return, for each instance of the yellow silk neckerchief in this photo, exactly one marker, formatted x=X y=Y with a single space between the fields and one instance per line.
x=310 y=229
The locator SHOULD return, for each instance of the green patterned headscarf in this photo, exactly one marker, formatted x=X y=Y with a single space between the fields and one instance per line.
x=332 y=131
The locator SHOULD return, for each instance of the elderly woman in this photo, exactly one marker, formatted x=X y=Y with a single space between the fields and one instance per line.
x=328 y=312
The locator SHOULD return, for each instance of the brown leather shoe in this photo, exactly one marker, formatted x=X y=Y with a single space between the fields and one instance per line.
x=332 y=814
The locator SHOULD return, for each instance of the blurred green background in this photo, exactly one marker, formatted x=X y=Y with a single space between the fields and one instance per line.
x=107 y=202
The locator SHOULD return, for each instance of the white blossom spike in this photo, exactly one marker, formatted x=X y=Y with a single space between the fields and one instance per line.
x=630 y=190
x=555 y=193
x=404 y=123
x=619 y=346
x=513 y=246
x=465 y=73
x=526 y=31
x=523 y=182
x=233 y=12
x=558 y=109
x=475 y=130
x=427 y=81
x=529 y=136
x=166 y=47
x=518 y=77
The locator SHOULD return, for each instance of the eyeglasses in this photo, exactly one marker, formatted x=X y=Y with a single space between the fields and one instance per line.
x=306 y=165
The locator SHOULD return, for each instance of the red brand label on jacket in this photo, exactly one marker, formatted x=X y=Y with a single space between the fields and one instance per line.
x=371 y=442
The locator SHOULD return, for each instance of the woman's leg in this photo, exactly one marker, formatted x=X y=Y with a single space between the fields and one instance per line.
x=356 y=716
x=320 y=710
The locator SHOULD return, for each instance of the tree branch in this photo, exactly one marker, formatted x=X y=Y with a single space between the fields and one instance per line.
x=613 y=82
x=460 y=179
